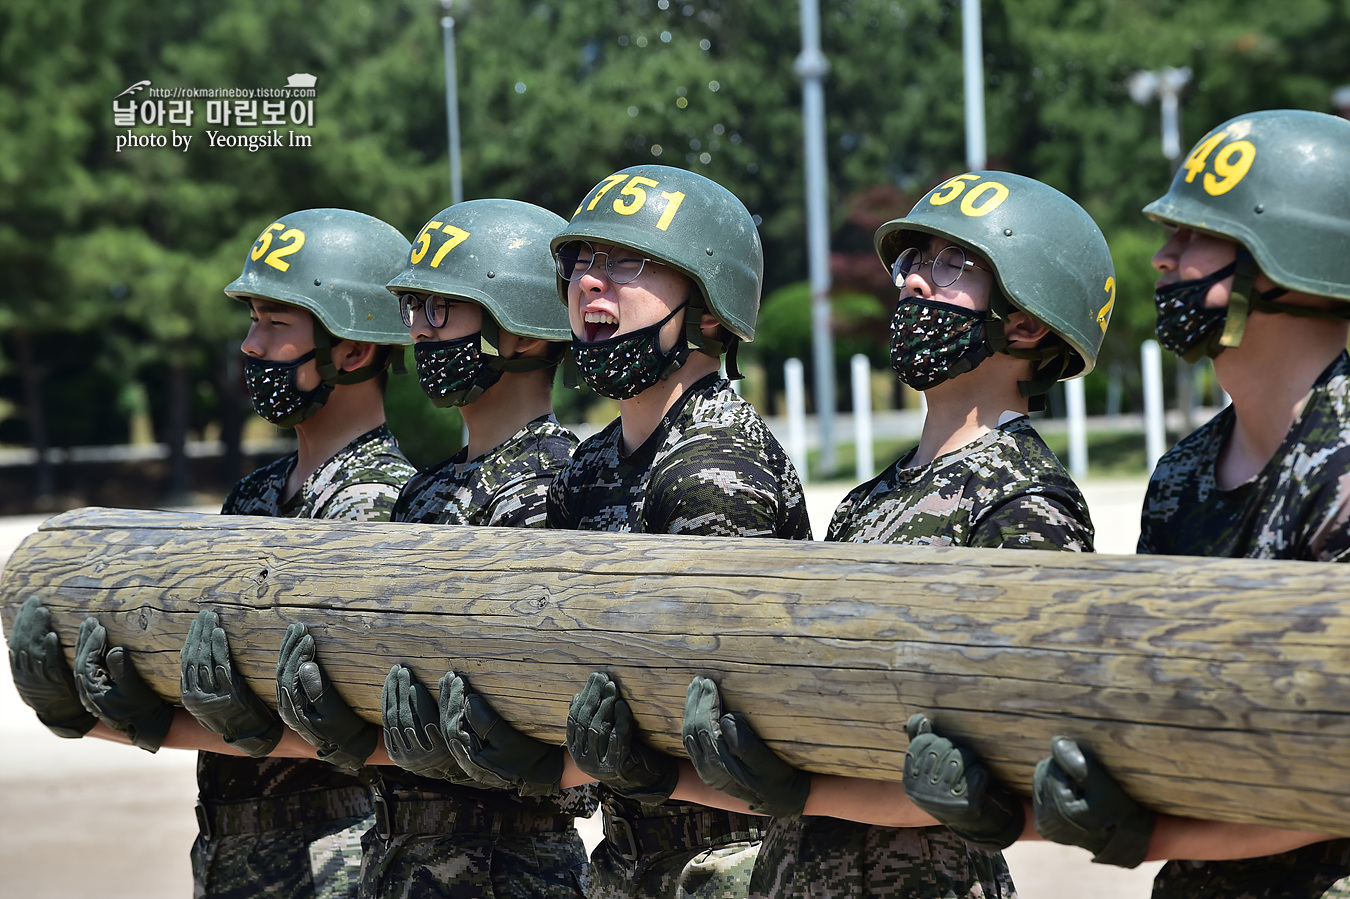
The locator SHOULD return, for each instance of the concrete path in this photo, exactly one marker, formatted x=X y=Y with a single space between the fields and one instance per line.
x=85 y=817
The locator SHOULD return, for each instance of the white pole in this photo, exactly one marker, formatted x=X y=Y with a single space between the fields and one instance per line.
x=1155 y=428
x=862 y=417
x=794 y=377
x=1077 y=408
x=972 y=57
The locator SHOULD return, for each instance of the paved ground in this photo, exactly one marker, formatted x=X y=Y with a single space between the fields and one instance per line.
x=84 y=817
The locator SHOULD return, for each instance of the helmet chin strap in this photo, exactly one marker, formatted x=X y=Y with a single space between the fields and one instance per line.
x=323 y=359
x=709 y=346
x=1051 y=362
x=1245 y=298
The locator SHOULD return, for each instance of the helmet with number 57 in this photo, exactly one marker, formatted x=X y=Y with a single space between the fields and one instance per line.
x=688 y=222
x=1276 y=182
x=1048 y=257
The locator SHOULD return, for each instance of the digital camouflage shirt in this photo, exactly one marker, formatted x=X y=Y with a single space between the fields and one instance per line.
x=1004 y=489
x=506 y=487
x=360 y=483
x=711 y=468
x=1296 y=507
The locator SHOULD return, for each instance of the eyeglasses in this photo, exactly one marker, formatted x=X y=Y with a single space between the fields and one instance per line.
x=436 y=307
x=574 y=260
x=945 y=267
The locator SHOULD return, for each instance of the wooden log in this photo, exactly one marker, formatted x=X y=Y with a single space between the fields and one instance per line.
x=1216 y=688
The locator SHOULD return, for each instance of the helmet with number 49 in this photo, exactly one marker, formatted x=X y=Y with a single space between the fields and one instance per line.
x=683 y=220
x=1277 y=182
x=1048 y=256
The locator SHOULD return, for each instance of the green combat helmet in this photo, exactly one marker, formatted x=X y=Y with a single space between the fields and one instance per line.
x=1049 y=259
x=494 y=253
x=690 y=223
x=1277 y=183
x=335 y=264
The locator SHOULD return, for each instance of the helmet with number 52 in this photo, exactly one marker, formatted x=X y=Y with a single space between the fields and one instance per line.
x=334 y=264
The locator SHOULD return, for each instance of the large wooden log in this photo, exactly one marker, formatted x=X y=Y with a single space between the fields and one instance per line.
x=1215 y=688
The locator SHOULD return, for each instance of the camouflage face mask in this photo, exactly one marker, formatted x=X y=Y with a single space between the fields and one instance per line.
x=453 y=372
x=276 y=394
x=621 y=367
x=1186 y=326
x=932 y=342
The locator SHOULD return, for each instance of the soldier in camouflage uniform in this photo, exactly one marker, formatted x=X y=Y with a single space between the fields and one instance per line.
x=661 y=272
x=478 y=296
x=324 y=330
x=1005 y=288
x=1254 y=275
x=274 y=819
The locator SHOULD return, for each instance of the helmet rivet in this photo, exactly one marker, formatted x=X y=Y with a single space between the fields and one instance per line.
x=316 y=282
x=1007 y=232
x=492 y=274
x=1260 y=208
x=709 y=251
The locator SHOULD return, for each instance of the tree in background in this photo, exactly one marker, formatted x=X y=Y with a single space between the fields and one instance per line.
x=113 y=263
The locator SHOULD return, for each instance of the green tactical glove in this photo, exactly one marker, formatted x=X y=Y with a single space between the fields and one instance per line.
x=731 y=757
x=412 y=729
x=41 y=675
x=949 y=782
x=217 y=695
x=1076 y=803
x=311 y=706
x=491 y=751
x=110 y=689
x=601 y=737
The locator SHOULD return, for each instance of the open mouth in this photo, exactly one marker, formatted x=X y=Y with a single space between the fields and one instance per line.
x=599 y=326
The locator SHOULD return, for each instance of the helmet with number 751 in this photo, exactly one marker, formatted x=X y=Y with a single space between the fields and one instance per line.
x=683 y=220
x=1048 y=257
x=1277 y=182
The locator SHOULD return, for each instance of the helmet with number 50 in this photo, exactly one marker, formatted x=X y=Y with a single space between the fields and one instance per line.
x=1277 y=183
x=688 y=222
x=1048 y=257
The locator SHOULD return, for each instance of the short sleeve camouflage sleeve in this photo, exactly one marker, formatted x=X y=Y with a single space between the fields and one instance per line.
x=1004 y=490
x=359 y=483
x=712 y=468
x=1296 y=507
x=507 y=487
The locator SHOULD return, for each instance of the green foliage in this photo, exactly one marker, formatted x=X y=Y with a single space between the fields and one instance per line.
x=130 y=250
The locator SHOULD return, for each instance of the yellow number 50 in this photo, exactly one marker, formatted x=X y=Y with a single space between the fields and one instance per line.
x=983 y=198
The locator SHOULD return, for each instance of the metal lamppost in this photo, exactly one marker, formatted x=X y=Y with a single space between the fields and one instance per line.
x=812 y=67
x=451 y=100
x=1166 y=85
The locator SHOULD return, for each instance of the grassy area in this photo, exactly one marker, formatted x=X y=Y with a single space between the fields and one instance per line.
x=1111 y=454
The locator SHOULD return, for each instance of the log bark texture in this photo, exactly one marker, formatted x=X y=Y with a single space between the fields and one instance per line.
x=1215 y=688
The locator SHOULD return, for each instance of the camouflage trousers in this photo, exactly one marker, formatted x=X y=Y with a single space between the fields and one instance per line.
x=678 y=852
x=826 y=858
x=452 y=848
x=316 y=861
x=1310 y=872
